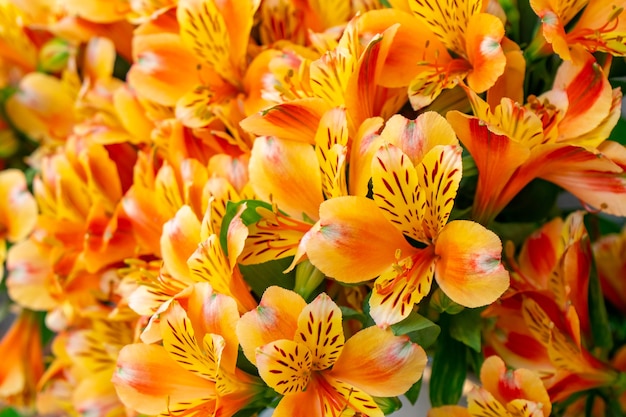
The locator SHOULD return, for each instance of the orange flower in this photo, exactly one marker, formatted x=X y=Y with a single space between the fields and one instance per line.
x=414 y=182
x=18 y=210
x=558 y=137
x=610 y=260
x=20 y=349
x=543 y=323
x=600 y=27
x=301 y=352
x=504 y=393
x=475 y=37
x=198 y=355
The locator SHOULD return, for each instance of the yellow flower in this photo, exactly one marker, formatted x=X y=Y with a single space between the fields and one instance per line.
x=302 y=353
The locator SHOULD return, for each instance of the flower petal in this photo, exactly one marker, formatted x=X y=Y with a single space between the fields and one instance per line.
x=469 y=270
x=320 y=329
x=395 y=190
x=179 y=241
x=379 y=363
x=439 y=175
x=483 y=35
x=275 y=318
x=353 y=241
x=283 y=169
x=285 y=366
x=140 y=384
x=180 y=342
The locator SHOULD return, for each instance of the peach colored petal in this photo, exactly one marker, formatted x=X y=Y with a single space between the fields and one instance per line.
x=353 y=241
x=18 y=210
x=469 y=270
x=482 y=37
x=379 y=363
x=275 y=318
x=140 y=385
x=283 y=169
x=180 y=238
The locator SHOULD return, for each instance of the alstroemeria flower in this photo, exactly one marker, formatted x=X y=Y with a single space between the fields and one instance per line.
x=473 y=36
x=505 y=393
x=21 y=352
x=414 y=187
x=600 y=27
x=302 y=353
x=544 y=323
x=610 y=255
x=18 y=210
x=558 y=137
x=192 y=253
x=198 y=359
x=556 y=261
x=281 y=169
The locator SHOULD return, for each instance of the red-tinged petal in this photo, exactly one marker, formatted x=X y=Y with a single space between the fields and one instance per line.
x=402 y=286
x=179 y=241
x=588 y=91
x=275 y=318
x=296 y=120
x=439 y=175
x=283 y=169
x=507 y=386
x=140 y=385
x=469 y=270
x=363 y=97
x=285 y=366
x=497 y=157
x=539 y=254
x=353 y=241
x=417 y=137
x=610 y=258
x=395 y=189
x=153 y=76
x=320 y=329
x=482 y=37
x=591 y=177
x=379 y=363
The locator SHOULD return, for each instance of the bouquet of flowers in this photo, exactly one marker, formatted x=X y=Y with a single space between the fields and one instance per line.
x=225 y=207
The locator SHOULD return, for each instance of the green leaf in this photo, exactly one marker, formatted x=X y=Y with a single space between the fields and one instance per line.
x=418 y=328
x=414 y=392
x=9 y=412
x=618 y=134
x=466 y=328
x=262 y=276
x=449 y=371
x=388 y=404
x=248 y=217
x=600 y=326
